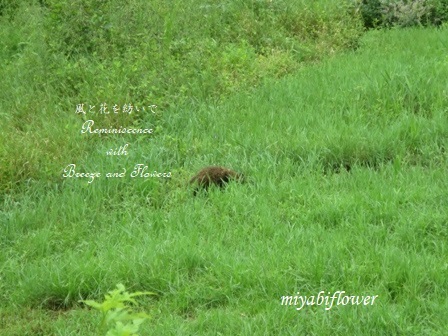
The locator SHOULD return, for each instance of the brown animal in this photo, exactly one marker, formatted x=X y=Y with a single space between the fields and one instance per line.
x=214 y=175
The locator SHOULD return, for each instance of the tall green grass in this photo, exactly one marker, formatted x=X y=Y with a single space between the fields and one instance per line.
x=57 y=54
x=347 y=191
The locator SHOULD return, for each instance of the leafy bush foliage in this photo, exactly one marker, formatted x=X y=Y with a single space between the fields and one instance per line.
x=118 y=318
x=402 y=13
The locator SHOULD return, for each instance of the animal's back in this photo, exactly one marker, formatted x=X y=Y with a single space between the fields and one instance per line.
x=214 y=175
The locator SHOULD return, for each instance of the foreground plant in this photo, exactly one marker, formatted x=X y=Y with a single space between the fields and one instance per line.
x=118 y=317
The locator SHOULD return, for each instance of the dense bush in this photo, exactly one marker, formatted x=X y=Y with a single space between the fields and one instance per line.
x=402 y=13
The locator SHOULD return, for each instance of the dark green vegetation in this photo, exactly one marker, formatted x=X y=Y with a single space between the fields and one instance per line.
x=402 y=13
x=347 y=161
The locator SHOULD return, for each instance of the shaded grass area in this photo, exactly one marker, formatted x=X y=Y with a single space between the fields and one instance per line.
x=348 y=191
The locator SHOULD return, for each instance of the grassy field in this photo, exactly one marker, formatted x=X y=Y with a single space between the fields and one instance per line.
x=347 y=190
x=57 y=54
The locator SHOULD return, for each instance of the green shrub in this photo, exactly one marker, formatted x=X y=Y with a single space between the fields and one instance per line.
x=118 y=318
x=402 y=13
